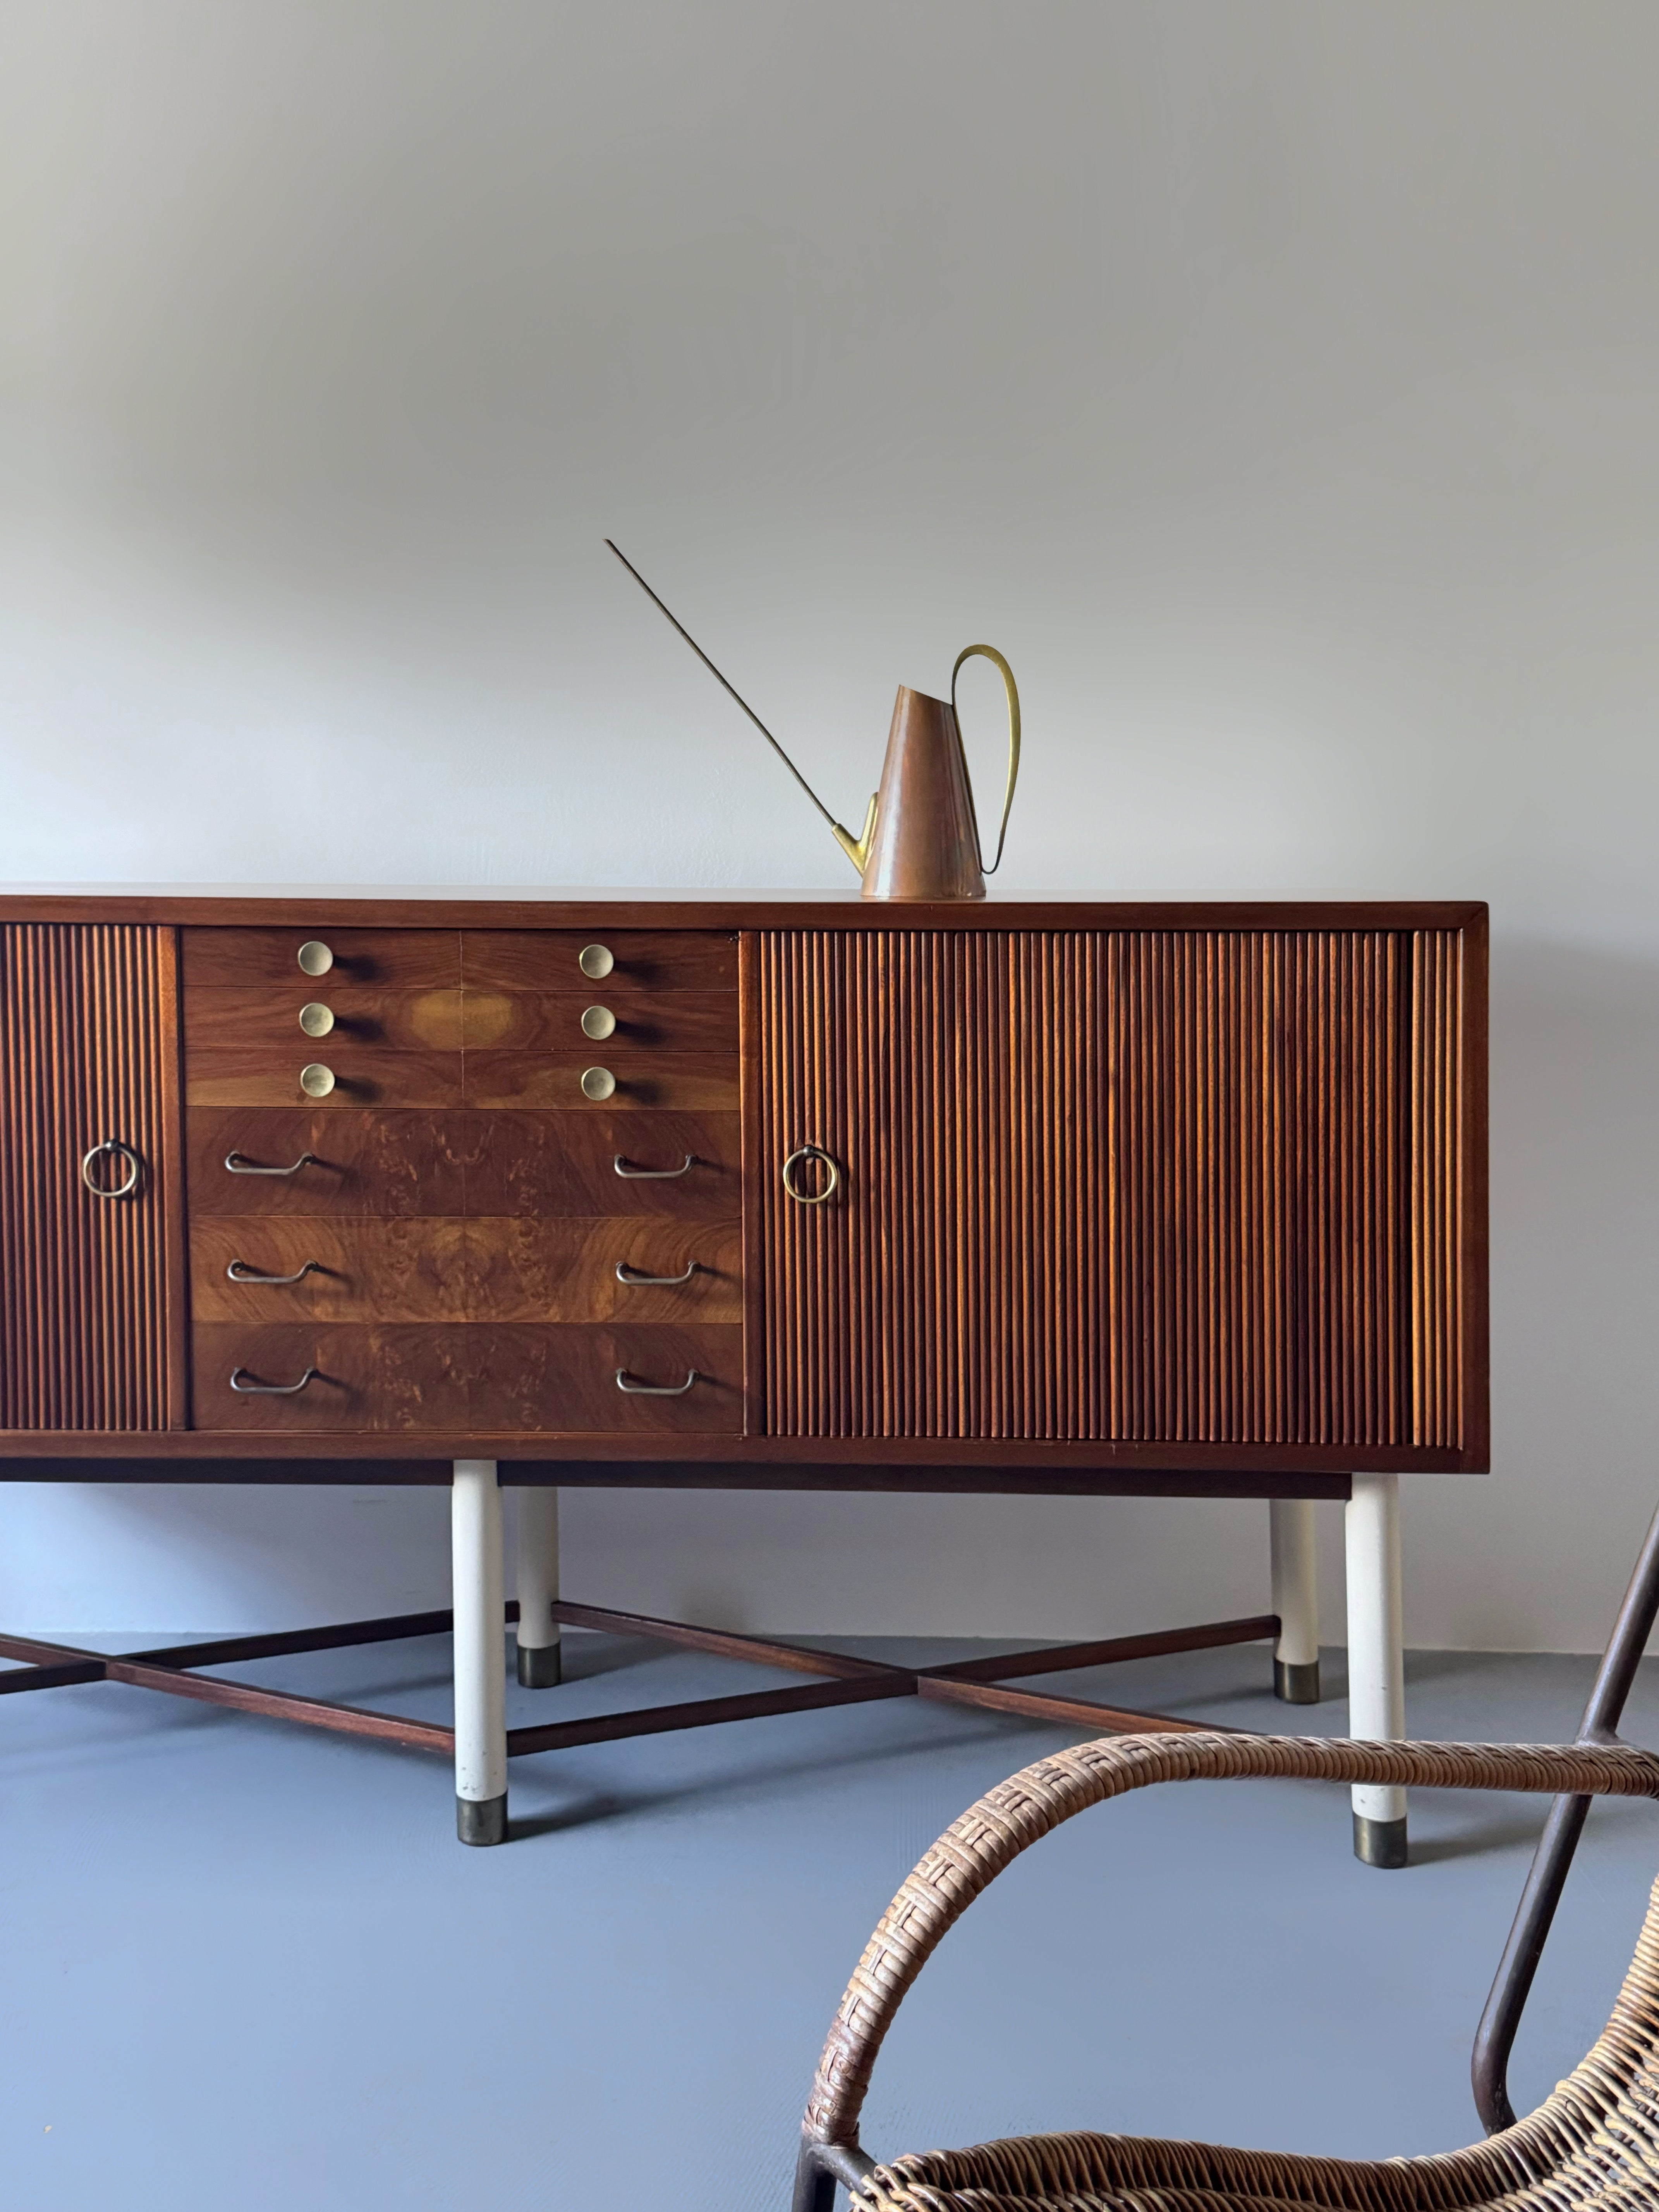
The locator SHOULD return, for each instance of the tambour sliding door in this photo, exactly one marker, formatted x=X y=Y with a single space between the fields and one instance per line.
x=1197 y=1187
x=90 y=1291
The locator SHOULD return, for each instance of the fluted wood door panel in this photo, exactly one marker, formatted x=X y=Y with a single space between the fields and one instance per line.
x=1201 y=1187
x=90 y=1330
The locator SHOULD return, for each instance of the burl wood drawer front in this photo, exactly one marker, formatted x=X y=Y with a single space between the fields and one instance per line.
x=409 y=1164
x=661 y=960
x=354 y=1162
x=1189 y=1185
x=493 y=1379
x=261 y=1270
x=387 y=959
x=267 y=1015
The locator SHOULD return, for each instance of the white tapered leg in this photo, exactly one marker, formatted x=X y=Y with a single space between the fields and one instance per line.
x=1295 y=1600
x=1376 y=1658
x=480 y=1667
x=538 y=1586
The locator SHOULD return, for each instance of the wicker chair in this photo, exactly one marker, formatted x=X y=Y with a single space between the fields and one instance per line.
x=1595 y=2139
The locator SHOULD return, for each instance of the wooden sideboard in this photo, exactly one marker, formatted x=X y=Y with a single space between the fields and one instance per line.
x=1083 y=1197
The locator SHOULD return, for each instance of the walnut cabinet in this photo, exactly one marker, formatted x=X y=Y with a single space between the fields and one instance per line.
x=1062 y=1195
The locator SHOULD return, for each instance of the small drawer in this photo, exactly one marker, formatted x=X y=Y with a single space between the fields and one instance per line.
x=395 y=959
x=676 y=1022
x=677 y=1167
x=689 y=1082
x=641 y=959
x=519 y=1270
x=269 y=1075
x=339 y=1017
x=263 y=1269
x=298 y=1165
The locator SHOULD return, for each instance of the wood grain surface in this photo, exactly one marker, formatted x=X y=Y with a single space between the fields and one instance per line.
x=268 y=1015
x=416 y=1376
x=688 y=1083
x=683 y=959
x=90 y=1292
x=482 y=1268
x=385 y=956
x=1203 y=1187
x=265 y=1074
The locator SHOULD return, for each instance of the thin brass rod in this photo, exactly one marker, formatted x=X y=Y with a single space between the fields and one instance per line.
x=731 y=688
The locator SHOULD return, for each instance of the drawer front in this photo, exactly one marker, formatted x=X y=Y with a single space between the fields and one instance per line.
x=486 y=1379
x=644 y=960
x=690 y=1083
x=364 y=1075
x=260 y=1270
x=409 y=1164
x=385 y=1164
x=675 y=1022
x=341 y=1017
x=390 y=959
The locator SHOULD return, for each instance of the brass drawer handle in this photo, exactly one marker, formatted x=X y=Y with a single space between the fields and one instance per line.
x=811 y=1198
x=240 y=1271
x=635 y=1281
x=242 y=1381
x=112 y=1148
x=627 y=1170
x=626 y=1383
x=239 y=1164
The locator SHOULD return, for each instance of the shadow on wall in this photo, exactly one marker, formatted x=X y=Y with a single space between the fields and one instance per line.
x=1533 y=1557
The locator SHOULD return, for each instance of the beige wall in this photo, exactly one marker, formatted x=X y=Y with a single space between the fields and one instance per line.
x=1274 y=384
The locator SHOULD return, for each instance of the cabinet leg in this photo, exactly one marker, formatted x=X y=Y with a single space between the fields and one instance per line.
x=537 y=1579
x=1376 y=1661
x=1295 y=1600
x=480 y=1673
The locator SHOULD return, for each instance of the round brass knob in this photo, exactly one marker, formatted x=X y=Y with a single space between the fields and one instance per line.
x=598 y=1022
x=315 y=959
x=598 y=1082
x=595 y=961
x=316 y=1081
x=316 y=1020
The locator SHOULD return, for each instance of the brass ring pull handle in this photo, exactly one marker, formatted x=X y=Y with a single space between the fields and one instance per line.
x=239 y=1164
x=635 y=1281
x=625 y=1382
x=112 y=1148
x=626 y=1168
x=989 y=652
x=240 y=1271
x=810 y=1198
x=242 y=1381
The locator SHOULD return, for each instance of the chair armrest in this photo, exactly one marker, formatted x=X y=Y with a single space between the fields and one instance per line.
x=975 y=1849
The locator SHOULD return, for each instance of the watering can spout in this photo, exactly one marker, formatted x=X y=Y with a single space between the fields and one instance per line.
x=857 y=849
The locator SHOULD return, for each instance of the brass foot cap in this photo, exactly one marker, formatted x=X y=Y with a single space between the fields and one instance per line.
x=1295 y=1681
x=539 y=1667
x=481 y=1819
x=1379 y=1843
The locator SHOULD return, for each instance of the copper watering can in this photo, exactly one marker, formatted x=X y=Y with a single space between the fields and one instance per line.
x=921 y=836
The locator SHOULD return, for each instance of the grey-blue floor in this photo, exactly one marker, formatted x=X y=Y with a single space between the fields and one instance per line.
x=247 y=1969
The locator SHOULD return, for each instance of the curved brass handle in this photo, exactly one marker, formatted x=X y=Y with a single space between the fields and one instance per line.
x=112 y=1146
x=989 y=652
x=252 y=1389
x=813 y=1152
x=239 y=1164
x=625 y=1167
x=635 y=1281
x=626 y=1383
x=240 y=1271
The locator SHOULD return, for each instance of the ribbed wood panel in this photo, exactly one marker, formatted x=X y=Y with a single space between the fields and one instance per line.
x=82 y=1037
x=1177 y=1186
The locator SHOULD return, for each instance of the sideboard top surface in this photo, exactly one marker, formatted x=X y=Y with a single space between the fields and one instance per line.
x=463 y=908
